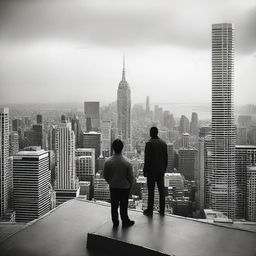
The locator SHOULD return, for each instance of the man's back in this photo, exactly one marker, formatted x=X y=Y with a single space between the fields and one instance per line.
x=155 y=157
x=118 y=172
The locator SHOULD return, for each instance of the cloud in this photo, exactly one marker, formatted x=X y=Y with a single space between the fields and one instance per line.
x=125 y=23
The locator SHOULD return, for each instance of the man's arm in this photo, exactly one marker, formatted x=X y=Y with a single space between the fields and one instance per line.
x=147 y=158
x=130 y=176
x=165 y=157
x=106 y=171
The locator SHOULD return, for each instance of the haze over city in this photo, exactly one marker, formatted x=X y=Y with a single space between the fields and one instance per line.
x=62 y=51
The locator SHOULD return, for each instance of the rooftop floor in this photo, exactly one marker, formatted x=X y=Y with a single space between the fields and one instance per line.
x=64 y=232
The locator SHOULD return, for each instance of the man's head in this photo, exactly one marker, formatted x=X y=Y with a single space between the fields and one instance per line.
x=117 y=145
x=153 y=132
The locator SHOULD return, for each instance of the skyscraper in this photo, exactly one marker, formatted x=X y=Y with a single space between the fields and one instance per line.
x=36 y=135
x=245 y=156
x=147 y=107
x=188 y=162
x=185 y=140
x=13 y=143
x=4 y=162
x=106 y=127
x=65 y=157
x=251 y=194
x=170 y=152
x=92 y=115
x=184 y=124
x=194 y=124
x=84 y=168
x=241 y=136
x=93 y=140
x=39 y=119
x=124 y=111
x=31 y=184
x=223 y=179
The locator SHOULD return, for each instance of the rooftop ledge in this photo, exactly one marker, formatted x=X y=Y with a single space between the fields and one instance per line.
x=67 y=229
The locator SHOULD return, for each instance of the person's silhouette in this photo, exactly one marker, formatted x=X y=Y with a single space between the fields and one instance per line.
x=155 y=165
x=119 y=174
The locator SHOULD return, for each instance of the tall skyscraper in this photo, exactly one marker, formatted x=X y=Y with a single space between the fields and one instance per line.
x=39 y=119
x=170 y=152
x=76 y=127
x=16 y=124
x=147 y=107
x=93 y=140
x=31 y=184
x=184 y=124
x=36 y=135
x=65 y=157
x=124 y=111
x=4 y=162
x=194 y=124
x=185 y=140
x=188 y=162
x=92 y=115
x=223 y=177
x=13 y=143
x=105 y=128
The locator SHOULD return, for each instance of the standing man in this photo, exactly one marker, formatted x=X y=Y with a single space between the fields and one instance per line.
x=119 y=175
x=155 y=165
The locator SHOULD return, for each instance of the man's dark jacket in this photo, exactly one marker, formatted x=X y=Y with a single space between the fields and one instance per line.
x=156 y=157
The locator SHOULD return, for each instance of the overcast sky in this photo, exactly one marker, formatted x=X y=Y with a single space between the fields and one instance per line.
x=71 y=50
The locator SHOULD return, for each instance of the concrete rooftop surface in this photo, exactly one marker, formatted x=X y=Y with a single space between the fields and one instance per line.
x=64 y=232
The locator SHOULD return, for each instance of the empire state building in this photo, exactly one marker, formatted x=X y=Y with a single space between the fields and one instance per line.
x=124 y=111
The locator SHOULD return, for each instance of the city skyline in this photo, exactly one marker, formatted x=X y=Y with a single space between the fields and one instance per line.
x=81 y=51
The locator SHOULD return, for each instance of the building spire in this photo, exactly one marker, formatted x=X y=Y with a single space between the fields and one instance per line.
x=123 y=75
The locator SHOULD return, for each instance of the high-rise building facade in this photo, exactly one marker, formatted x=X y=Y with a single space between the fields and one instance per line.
x=194 y=124
x=84 y=167
x=76 y=127
x=106 y=127
x=92 y=115
x=124 y=111
x=31 y=184
x=39 y=119
x=93 y=140
x=245 y=156
x=13 y=143
x=185 y=140
x=223 y=178
x=241 y=136
x=184 y=124
x=170 y=152
x=101 y=189
x=251 y=194
x=188 y=162
x=36 y=135
x=4 y=162
x=65 y=157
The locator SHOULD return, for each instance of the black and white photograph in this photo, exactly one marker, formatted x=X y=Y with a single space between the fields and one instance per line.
x=127 y=127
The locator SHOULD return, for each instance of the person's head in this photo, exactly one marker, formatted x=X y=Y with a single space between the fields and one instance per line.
x=117 y=145
x=153 y=132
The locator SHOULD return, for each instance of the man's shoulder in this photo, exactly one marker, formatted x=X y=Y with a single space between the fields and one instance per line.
x=126 y=160
x=163 y=142
x=156 y=141
x=109 y=160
